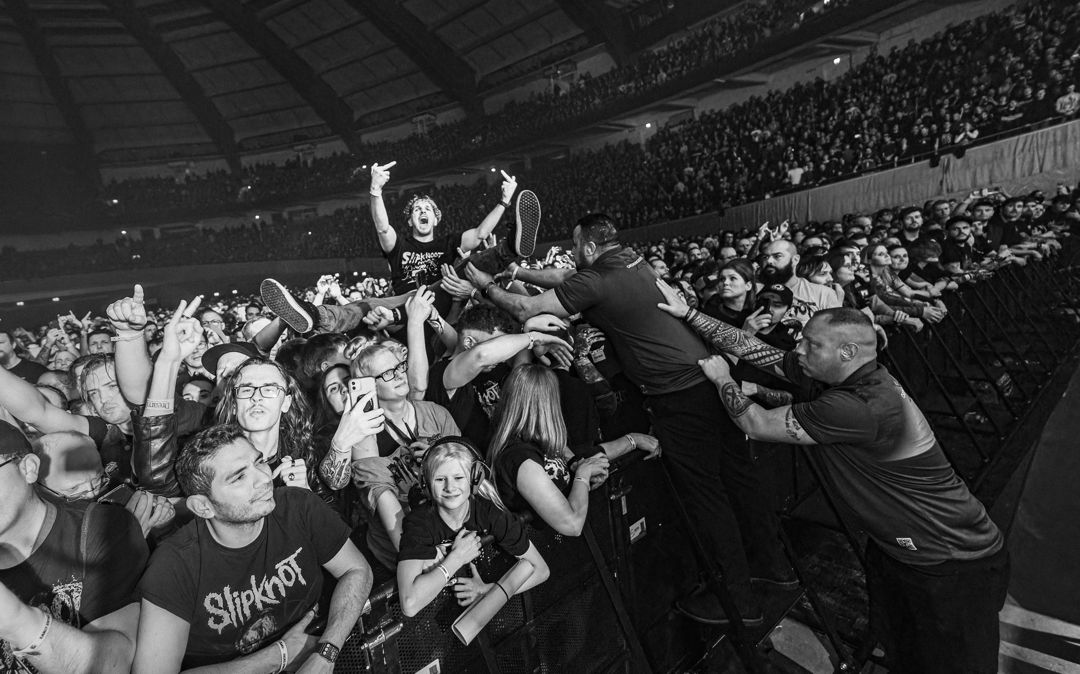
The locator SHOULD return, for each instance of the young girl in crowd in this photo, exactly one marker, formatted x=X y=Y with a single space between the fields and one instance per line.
x=444 y=535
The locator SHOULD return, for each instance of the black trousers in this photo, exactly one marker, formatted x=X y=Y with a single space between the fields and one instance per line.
x=937 y=619
x=709 y=459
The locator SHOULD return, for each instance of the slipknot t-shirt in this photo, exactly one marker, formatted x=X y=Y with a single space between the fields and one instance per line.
x=238 y=600
x=415 y=263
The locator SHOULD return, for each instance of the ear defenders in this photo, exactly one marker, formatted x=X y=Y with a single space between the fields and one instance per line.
x=479 y=470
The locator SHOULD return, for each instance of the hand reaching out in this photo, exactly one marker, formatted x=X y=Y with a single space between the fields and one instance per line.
x=128 y=314
x=509 y=186
x=454 y=284
x=380 y=175
x=182 y=334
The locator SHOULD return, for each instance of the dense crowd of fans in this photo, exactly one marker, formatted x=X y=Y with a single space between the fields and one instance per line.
x=982 y=77
x=355 y=421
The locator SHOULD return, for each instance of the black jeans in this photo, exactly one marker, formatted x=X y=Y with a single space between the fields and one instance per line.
x=937 y=619
x=710 y=463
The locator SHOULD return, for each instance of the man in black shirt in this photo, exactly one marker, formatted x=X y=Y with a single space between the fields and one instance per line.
x=24 y=369
x=238 y=584
x=958 y=253
x=67 y=575
x=616 y=291
x=937 y=567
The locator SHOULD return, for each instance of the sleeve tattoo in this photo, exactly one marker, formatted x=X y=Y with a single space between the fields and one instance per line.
x=735 y=401
x=734 y=341
x=774 y=398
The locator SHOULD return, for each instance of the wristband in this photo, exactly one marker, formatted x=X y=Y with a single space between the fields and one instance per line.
x=128 y=337
x=581 y=479
x=34 y=648
x=503 y=591
x=690 y=313
x=446 y=573
x=166 y=405
x=375 y=193
x=633 y=443
x=486 y=290
x=513 y=276
x=283 y=651
x=504 y=204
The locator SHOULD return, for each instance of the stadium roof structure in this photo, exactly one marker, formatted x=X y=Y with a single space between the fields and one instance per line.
x=146 y=80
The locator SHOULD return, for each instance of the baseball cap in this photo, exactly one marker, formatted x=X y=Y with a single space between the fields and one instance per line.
x=781 y=292
x=213 y=355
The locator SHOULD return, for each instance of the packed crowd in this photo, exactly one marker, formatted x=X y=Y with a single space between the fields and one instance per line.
x=378 y=431
x=1017 y=67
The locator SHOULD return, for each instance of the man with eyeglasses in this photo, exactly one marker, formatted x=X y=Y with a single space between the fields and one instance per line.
x=67 y=575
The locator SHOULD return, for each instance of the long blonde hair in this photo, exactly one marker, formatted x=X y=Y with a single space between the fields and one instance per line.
x=530 y=409
x=454 y=448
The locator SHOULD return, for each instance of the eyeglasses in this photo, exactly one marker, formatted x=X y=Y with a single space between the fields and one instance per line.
x=265 y=391
x=206 y=323
x=96 y=485
x=398 y=370
x=11 y=460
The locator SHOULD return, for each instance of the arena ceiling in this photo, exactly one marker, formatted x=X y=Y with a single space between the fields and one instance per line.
x=131 y=80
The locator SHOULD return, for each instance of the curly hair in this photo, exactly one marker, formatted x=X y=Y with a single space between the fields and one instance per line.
x=423 y=197
x=296 y=424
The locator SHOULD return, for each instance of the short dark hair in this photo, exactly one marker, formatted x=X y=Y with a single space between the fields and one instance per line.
x=908 y=211
x=956 y=219
x=192 y=466
x=845 y=316
x=598 y=228
x=99 y=331
x=487 y=318
x=317 y=349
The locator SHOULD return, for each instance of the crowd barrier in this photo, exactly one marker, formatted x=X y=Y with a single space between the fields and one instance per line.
x=607 y=606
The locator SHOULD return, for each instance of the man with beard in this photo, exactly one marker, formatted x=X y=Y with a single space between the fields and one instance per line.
x=911 y=228
x=1006 y=230
x=235 y=588
x=708 y=457
x=781 y=258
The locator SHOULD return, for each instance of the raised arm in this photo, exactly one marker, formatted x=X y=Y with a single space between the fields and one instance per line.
x=355 y=433
x=419 y=310
x=133 y=366
x=541 y=278
x=387 y=235
x=466 y=366
x=26 y=404
x=521 y=307
x=471 y=238
x=728 y=339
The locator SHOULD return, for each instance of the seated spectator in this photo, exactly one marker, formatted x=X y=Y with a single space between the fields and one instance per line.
x=246 y=533
x=441 y=537
x=67 y=575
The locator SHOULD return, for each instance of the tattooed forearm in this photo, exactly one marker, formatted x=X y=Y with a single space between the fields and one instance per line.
x=734 y=341
x=774 y=398
x=334 y=469
x=792 y=426
x=735 y=401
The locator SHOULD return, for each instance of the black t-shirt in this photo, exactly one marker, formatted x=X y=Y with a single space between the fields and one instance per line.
x=414 y=263
x=473 y=405
x=425 y=536
x=953 y=252
x=715 y=307
x=618 y=295
x=1001 y=232
x=506 y=468
x=28 y=370
x=238 y=600
x=915 y=508
x=78 y=590
x=115 y=448
x=931 y=272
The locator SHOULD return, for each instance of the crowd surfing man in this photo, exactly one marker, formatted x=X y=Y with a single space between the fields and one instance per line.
x=615 y=290
x=937 y=568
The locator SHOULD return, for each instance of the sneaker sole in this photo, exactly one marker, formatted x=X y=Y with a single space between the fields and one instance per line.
x=278 y=300
x=720 y=622
x=527 y=214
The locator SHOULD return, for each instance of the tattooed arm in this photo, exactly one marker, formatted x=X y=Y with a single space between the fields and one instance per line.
x=728 y=339
x=767 y=396
x=775 y=425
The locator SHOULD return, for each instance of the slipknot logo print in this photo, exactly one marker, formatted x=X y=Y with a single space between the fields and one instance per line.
x=235 y=607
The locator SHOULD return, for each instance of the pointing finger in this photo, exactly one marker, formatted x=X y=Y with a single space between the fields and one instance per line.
x=507 y=178
x=388 y=166
x=178 y=313
x=137 y=294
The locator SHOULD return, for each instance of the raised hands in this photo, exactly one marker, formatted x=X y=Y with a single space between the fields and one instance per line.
x=509 y=186
x=128 y=314
x=420 y=307
x=380 y=175
x=454 y=284
x=182 y=334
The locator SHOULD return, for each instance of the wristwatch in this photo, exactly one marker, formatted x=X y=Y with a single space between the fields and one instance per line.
x=328 y=651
